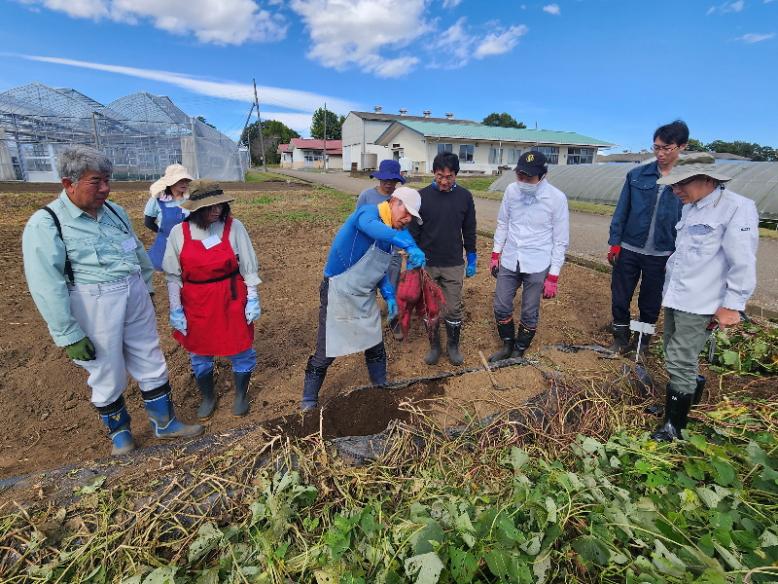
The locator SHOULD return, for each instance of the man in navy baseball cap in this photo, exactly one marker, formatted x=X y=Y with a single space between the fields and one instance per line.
x=532 y=163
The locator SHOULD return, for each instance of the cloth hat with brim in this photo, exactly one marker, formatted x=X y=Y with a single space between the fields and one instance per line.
x=388 y=170
x=532 y=163
x=694 y=165
x=173 y=174
x=204 y=193
x=411 y=199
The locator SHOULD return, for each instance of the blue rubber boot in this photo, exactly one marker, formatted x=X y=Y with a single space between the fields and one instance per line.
x=117 y=420
x=375 y=359
x=314 y=379
x=162 y=416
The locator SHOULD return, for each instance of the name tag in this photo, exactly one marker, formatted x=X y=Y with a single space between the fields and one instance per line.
x=129 y=245
x=211 y=241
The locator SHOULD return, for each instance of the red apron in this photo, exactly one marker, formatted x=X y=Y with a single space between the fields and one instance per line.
x=214 y=298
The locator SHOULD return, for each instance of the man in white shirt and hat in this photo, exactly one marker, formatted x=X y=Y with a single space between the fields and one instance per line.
x=709 y=278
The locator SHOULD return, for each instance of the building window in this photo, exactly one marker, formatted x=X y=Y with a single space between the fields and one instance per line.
x=512 y=155
x=580 y=155
x=445 y=148
x=495 y=155
x=466 y=153
x=551 y=152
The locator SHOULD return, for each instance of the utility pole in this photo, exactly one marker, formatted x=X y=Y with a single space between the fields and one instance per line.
x=259 y=121
x=325 y=136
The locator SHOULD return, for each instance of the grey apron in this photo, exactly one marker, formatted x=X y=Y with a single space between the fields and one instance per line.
x=353 y=319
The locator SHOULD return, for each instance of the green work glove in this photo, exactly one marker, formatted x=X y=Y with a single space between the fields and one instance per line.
x=83 y=350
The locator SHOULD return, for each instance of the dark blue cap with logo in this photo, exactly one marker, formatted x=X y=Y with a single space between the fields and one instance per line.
x=532 y=163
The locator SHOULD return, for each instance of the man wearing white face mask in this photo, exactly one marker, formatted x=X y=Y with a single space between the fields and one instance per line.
x=532 y=235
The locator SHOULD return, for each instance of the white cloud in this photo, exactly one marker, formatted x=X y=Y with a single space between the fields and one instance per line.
x=358 y=33
x=459 y=42
x=231 y=90
x=755 y=37
x=552 y=9
x=223 y=22
x=448 y=4
x=497 y=44
x=726 y=7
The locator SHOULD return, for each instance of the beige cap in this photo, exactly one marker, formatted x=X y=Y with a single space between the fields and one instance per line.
x=173 y=174
x=697 y=164
x=205 y=193
x=411 y=199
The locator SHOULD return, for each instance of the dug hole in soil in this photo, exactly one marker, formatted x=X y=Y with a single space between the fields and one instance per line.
x=46 y=420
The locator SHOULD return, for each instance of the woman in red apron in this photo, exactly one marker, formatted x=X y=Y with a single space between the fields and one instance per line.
x=211 y=269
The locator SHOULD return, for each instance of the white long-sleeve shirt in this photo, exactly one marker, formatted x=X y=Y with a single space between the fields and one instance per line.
x=533 y=231
x=714 y=264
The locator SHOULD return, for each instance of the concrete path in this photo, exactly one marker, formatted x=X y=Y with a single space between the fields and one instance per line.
x=588 y=232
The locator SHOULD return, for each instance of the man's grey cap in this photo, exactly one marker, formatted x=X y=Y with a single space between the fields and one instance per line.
x=695 y=164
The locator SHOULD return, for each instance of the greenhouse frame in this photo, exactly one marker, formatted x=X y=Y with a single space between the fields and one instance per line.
x=140 y=133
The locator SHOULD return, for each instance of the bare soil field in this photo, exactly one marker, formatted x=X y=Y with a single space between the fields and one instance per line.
x=46 y=420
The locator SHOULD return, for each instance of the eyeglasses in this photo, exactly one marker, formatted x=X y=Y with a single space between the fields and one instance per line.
x=439 y=176
x=94 y=182
x=665 y=148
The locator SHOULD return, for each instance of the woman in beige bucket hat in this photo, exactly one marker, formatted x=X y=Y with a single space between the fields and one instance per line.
x=163 y=210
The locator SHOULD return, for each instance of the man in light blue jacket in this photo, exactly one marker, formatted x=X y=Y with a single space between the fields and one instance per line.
x=91 y=281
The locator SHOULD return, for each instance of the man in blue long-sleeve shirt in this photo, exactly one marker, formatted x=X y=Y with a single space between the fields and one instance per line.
x=349 y=319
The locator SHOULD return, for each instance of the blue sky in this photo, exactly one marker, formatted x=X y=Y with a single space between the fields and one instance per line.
x=611 y=69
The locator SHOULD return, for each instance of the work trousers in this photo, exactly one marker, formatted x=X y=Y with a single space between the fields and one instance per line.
x=631 y=267
x=243 y=362
x=119 y=319
x=685 y=337
x=319 y=359
x=508 y=282
x=451 y=280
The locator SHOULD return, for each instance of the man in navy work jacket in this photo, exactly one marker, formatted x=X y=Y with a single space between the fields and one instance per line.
x=91 y=281
x=642 y=235
x=349 y=320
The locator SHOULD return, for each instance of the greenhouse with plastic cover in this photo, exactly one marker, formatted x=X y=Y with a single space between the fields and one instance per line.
x=602 y=183
x=141 y=133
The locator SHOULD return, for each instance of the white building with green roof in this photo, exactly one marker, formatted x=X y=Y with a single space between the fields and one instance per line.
x=483 y=149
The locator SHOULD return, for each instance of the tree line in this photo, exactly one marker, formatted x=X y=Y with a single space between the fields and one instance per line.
x=750 y=150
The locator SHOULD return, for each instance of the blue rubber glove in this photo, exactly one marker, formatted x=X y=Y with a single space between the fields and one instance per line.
x=178 y=320
x=416 y=258
x=391 y=308
x=253 y=310
x=471 y=261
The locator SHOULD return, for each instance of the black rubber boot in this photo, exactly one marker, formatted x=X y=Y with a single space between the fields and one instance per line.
x=677 y=407
x=507 y=332
x=645 y=342
x=240 y=406
x=453 y=331
x=699 y=389
x=208 y=405
x=523 y=341
x=432 y=356
x=314 y=379
x=620 y=338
